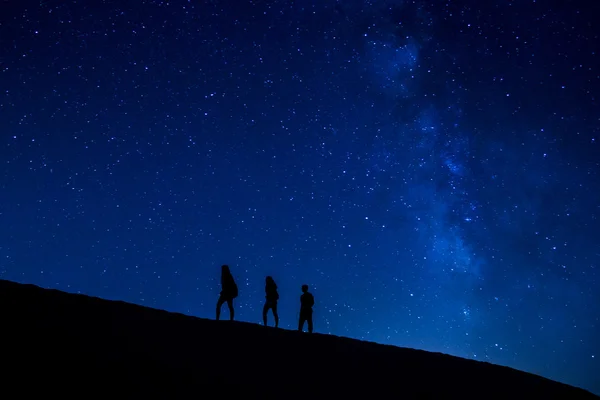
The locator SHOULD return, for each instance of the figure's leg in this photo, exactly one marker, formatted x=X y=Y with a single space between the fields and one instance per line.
x=274 y=308
x=230 y=305
x=219 y=304
x=310 y=322
x=265 y=311
x=301 y=322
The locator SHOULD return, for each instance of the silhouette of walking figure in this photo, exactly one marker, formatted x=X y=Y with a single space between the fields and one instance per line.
x=307 y=301
x=229 y=291
x=272 y=296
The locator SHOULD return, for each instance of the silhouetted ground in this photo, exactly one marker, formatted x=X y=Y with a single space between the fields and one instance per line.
x=55 y=343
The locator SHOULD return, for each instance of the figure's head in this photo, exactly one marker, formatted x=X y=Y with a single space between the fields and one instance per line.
x=304 y=288
x=225 y=269
x=269 y=280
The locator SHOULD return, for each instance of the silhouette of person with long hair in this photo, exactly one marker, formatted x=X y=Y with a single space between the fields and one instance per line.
x=307 y=301
x=271 y=304
x=229 y=291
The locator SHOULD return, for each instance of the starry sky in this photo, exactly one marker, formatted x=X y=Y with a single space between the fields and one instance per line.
x=430 y=169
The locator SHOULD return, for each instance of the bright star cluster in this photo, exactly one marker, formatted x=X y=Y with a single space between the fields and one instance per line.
x=429 y=169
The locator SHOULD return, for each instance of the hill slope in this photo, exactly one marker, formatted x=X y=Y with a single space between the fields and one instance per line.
x=75 y=345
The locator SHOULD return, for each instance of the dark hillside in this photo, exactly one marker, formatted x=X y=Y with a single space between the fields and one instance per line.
x=68 y=345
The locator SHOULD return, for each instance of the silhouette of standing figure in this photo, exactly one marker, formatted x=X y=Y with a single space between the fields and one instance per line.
x=229 y=291
x=272 y=296
x=307 y=301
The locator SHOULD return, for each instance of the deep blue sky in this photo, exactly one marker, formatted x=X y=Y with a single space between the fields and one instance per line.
x=430 y=169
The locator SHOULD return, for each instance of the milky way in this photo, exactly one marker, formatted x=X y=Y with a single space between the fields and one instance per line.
x=430 y=169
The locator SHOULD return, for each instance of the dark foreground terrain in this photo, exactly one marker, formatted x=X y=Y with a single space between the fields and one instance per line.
x=68 y=345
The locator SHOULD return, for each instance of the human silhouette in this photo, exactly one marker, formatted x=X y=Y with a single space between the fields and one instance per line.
x=272 y=296
x=307 y=301
x=229 y=291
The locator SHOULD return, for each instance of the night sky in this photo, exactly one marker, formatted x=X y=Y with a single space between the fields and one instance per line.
x=430 y=169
